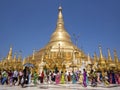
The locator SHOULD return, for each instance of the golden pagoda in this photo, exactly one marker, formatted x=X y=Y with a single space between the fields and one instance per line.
x=116 y=61
x=110 y=62
x=60 y=52
x=102 y=61
x=95 y=62
x=10 y=62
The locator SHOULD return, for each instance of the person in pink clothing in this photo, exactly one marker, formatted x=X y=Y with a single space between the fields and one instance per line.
x=57 y=79
x=110 y=79
x=119 y=78
x=98 y=78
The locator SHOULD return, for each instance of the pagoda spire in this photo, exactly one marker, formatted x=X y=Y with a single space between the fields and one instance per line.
x=60 y=22
x=109 y=55
x=60 y=33
x=19 y=58
x=10 y=54
x=115 y=57
x=95 y=57
x=24 y=61
x=14 y=57
x=89 y=60
x=101 y=55
x=33 y=56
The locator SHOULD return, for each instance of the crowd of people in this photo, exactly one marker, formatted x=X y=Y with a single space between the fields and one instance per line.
x=93 y=78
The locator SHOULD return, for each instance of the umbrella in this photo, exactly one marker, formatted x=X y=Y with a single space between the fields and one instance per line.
x=28 y=65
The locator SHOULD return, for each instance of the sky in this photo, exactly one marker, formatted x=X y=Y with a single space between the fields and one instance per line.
x=28 y=24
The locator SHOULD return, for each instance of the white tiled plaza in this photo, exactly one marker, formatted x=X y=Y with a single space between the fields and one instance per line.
x=59 y=87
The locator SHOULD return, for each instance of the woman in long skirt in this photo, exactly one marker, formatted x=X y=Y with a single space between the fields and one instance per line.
x=66 y=77
x=119 y=79
x=106 y=83
x=93 y=78
x=113 y=78
x=98 y=78
x=80 y=78
x=41 y=77
x=62 y=80
x=73 y=78
x=57 y=79
x=69 y=77
x=10 y=74
x=110 y=77
x=30 y=78
x=84 y=78
x=35 y=78
x=87 y=81
x=50 y=77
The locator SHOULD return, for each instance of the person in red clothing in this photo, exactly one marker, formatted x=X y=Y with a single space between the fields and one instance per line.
x=69 y=77
x=118 y=77
x=10 y=77
x=41 y=77
x=20 y=76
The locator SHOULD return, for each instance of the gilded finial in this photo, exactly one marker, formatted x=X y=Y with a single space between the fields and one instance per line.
x=60 y=18
x=89 y=61
x=115 y=56
x=10 y=53
x=95 y=57
x=33 y=56
x=19 y=56
x=24 y=61
x=11 y=47
x=60 y=3
x=109 y=55
x=14 y=57
x=101 y=55
x=60 y=8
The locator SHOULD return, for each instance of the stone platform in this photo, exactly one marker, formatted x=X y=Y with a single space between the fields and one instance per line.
x=59 y=87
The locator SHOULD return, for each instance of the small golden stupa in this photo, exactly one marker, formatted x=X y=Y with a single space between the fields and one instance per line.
x=10 y=62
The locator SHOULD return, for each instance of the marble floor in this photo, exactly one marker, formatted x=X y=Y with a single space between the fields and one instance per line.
x=59 y=87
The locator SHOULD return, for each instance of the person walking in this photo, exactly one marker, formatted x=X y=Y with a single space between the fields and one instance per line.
x=80 y=78
x=15 y=77
x=73 y=77
x=57 y=79
x=4 y=77
x=41 y=76
x=62 y=80
x=10 y=77
x=84 y=78
x=20 y=76
x=69 y=77
x=35 y=78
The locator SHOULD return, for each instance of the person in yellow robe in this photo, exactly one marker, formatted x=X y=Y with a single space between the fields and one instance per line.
x=80 y=78
x=62 y=80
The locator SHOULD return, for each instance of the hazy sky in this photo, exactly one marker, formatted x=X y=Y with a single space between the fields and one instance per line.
x=28 y=24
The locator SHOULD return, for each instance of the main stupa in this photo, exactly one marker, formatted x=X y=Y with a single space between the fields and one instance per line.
x=59 y=52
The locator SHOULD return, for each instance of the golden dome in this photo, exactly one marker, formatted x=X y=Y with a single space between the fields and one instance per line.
x=60 y=35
